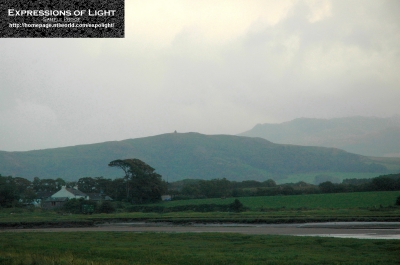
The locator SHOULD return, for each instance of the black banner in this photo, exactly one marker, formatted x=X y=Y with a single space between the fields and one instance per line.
x=62 y=19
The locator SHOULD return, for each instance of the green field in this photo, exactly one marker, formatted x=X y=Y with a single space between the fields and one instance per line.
x=190 y=248
x=21 y=248
x=312 y=201
x=362 y=206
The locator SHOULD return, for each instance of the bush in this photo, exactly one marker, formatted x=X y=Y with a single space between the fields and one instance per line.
x=236 y=206
x=76 y=205
x=106 y=207
x=398 y=201
x=73 y=206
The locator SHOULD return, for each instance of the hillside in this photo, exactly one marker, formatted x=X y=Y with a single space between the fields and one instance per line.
x=369 y=136
x=179 y=156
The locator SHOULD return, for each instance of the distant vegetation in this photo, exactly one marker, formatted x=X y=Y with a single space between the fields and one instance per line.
x=259 y=201
x=224 y=188
x=140 y=185
x=20 y=192
x=178 y=156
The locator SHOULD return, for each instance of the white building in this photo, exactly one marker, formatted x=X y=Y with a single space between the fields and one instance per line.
x=70 y=194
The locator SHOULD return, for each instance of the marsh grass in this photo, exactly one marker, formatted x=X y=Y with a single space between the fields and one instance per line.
x=190 y=248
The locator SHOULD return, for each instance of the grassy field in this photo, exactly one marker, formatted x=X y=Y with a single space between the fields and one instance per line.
x=312 y=201
x=363 y=206
x=190 y=248
x=99 y=248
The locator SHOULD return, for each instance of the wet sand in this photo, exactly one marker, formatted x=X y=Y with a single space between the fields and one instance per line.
x=343 y=230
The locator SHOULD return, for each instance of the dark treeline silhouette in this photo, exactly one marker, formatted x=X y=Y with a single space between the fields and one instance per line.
x=189 y=189
x=139 y=185
x=16 y=191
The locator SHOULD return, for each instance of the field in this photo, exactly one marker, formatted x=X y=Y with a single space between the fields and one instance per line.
x=363 y=206
x=312 y=201
x=207 y=248
x=190 y=248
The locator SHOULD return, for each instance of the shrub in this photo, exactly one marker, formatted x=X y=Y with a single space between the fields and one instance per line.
x=76 y=205
x=236 y=206
x=106 y=207
x=73 y=206
x=398 y=201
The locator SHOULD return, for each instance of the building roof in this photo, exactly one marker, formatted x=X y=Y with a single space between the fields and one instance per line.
x=76 y=192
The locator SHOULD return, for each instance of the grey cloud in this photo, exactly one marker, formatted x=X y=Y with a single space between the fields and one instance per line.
x=85 y=91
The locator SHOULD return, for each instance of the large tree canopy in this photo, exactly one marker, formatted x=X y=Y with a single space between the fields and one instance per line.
x=142 y=183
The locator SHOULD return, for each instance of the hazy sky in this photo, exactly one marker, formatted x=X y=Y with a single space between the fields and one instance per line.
x=209 y=66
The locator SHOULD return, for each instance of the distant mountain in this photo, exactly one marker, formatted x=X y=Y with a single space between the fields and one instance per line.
x=179 y=156
x=368 y=136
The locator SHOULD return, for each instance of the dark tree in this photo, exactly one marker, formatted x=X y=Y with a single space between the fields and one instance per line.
x=327 y=187
x=236 y=206
x=269 y=183
x=49 y=185
x=87 y=184
x=125 y=165
x=8 y=192
x=215 y=188
x=383 y=183
x=142 y=183
x=36 y=183
x=117 y=189
x=59 y=183
x=22 y=184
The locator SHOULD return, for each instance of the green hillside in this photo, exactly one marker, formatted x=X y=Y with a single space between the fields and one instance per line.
x=179 y=156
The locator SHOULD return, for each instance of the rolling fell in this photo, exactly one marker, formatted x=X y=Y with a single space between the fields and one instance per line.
x=179 y=156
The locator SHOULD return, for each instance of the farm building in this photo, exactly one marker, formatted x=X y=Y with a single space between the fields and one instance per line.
x=59 y=198
x=70 y=193
x=51 y=203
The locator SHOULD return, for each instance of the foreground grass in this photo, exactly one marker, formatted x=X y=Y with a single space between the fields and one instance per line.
x=190 y=248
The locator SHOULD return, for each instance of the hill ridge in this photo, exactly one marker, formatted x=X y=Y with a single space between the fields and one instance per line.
x=370 y=136
x=179 y=156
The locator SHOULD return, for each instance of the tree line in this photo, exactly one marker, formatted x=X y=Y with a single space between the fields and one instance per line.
x=142 y=185
x=215 y=188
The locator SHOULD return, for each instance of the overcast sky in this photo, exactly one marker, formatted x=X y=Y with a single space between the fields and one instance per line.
x=214 y=67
